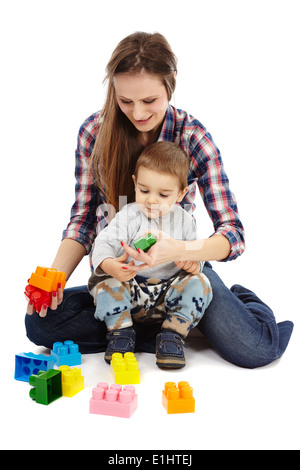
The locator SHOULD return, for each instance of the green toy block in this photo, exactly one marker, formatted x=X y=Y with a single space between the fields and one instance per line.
x=144 y=243
x=47 y=386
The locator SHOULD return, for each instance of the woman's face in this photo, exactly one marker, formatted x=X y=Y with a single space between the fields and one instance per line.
x=143 y=98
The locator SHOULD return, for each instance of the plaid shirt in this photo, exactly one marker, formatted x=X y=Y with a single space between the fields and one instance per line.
x=88 y=214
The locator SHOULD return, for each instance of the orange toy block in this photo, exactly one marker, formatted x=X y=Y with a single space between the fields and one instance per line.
x=47 y=279
x=178 y=399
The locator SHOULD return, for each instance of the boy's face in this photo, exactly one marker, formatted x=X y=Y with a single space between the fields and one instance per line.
x=156 y=193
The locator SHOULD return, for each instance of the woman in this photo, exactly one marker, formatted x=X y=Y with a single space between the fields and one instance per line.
x=141 y=78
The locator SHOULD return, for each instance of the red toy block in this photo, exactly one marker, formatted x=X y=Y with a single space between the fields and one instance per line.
x=39 y=297
x=113 y=401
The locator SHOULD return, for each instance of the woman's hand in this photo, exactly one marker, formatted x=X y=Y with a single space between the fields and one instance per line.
x=165 y=250
x=117 y=268
x=192 y=267
x=57 y=298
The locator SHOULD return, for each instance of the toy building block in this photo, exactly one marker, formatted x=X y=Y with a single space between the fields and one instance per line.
x=144 y=243
x=113 y=401
x=125 y=370
x=66 y=354
x=27 y=364
x=38 y=296
x=41 y=284
x=72 y=381
x=178 y=399
x=47 y=279
x=47 y=386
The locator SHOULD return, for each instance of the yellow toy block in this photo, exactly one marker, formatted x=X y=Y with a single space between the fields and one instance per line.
x=47 y=279
x=178 y=399
x=125 y=370
x=72 y=381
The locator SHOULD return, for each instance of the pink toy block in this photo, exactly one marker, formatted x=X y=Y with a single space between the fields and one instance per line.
x=113 y=400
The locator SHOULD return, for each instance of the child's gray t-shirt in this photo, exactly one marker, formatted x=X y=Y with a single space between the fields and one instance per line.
x=130 y=223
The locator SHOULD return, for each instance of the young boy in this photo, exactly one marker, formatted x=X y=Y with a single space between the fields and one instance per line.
x=177 y=298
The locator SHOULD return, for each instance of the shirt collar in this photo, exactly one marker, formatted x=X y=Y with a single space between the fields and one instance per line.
x=168 y=127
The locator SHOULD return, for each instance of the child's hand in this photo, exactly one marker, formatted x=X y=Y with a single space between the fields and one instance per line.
x=117 y=268
x=160 y=253
x=192 y=267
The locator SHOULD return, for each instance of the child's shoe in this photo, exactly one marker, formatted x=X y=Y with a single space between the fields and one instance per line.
x=121 y=341
x=169 y=350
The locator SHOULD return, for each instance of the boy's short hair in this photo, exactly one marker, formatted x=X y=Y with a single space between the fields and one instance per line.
x=165 y=157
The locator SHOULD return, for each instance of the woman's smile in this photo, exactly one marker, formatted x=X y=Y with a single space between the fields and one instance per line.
x=144 y=121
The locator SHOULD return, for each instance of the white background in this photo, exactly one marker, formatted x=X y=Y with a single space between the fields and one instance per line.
x=238 y=73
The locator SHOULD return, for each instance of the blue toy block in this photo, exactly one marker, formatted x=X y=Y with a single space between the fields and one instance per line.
x=66 y=354
x=27 y=364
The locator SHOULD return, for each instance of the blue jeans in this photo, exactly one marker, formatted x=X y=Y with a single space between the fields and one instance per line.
x=237 y=324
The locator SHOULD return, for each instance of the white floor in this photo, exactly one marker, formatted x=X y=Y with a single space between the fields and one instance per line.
x=235 y=408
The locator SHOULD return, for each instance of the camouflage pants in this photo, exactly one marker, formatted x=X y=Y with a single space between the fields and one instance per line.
x=178 y=303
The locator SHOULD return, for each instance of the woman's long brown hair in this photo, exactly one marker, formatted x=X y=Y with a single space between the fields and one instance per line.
x=117 y=145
